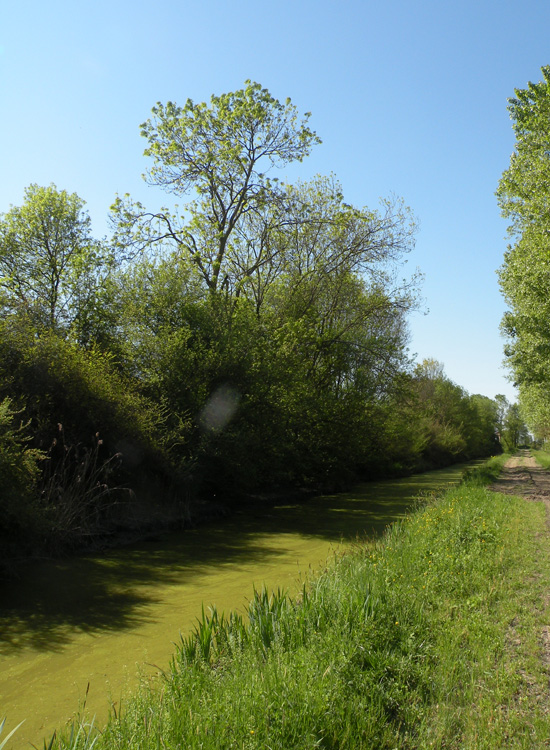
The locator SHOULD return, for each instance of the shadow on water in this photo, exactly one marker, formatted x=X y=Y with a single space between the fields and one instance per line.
x=117 y=590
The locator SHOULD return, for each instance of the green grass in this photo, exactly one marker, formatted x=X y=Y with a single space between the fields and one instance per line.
x=487 y=472
x=542 y=457
x=430 y=637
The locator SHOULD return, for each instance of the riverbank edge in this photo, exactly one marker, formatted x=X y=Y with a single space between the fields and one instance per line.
x=146 y=519
x=430 y=637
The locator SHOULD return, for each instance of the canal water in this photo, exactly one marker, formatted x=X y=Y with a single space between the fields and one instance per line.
x=87 y=629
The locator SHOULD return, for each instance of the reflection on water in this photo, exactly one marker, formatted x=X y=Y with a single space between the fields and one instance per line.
x=97 y=618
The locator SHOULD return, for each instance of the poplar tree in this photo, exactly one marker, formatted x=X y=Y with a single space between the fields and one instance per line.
x=524 y=197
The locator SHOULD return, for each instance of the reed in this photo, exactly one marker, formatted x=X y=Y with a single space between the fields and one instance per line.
x=77 y=492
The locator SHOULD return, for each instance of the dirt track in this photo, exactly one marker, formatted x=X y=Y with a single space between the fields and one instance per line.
x=523 y=476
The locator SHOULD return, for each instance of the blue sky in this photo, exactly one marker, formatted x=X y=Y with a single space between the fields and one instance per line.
x=409 y=99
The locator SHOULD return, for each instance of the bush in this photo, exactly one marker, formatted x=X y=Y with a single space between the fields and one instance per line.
x=19 y=473
x=96 y=429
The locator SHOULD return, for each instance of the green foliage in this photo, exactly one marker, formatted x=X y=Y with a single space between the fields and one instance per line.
x=60 y=383
x=515 y=431
x=19 y=475
x=18 y=462
x=437 y=423
x=482 y=427
x=523 y=196
x=535 y=406
x=256 y=339
x=310 y=235
x=522 y=190
x=217 y=150
x=305 y=341
x=284 y=296
x=94 y=429
x=48 y=259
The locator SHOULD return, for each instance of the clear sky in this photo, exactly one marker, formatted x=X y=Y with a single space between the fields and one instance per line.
x=408 y=97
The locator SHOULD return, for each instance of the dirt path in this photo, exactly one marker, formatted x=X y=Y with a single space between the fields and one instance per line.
x=523 y=476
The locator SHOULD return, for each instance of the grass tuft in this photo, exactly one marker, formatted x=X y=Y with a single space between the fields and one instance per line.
x=487 y=472
x=4 y=742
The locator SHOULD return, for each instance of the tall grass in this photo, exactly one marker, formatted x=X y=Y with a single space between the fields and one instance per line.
x=429 y=637
x=542 y=457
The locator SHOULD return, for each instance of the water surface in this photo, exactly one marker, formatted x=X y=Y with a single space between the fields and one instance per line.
x=86 y=628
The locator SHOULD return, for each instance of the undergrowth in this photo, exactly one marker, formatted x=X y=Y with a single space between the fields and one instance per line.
x=542 y=457
x=426 y=638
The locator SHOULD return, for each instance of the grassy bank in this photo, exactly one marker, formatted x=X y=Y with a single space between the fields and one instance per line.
x=542 y=457
x=430 y=637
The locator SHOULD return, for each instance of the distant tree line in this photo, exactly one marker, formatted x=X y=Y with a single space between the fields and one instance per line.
x=253 y=339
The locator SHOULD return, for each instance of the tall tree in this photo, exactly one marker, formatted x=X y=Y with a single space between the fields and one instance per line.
x=524 y=197
x=516 y=433
x=523 y=190
x=311 y=234
x=48 y=257
x=441 y=409
x=221 y=151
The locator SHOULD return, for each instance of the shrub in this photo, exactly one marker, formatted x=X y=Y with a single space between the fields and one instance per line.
x=19 y=472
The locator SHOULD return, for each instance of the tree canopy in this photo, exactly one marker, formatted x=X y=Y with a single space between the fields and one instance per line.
x=222 y=151
x=524 y=197
x=48 y=257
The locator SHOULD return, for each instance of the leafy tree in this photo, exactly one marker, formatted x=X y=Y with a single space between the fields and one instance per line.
x=441 y=408
x=515 y=432
x=311 y=233
x=284 y=294
x=502 y=405
x=222 y=151
x=453 y=425
x=523 y=188
x=483 y=429
x=511 y=427
x=535 y=408
x=524 y=197
x=48 y=258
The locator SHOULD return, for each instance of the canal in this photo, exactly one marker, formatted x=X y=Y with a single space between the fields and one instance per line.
x=88 y=628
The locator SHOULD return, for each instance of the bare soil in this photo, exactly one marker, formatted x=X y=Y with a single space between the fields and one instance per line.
x=523 y=476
